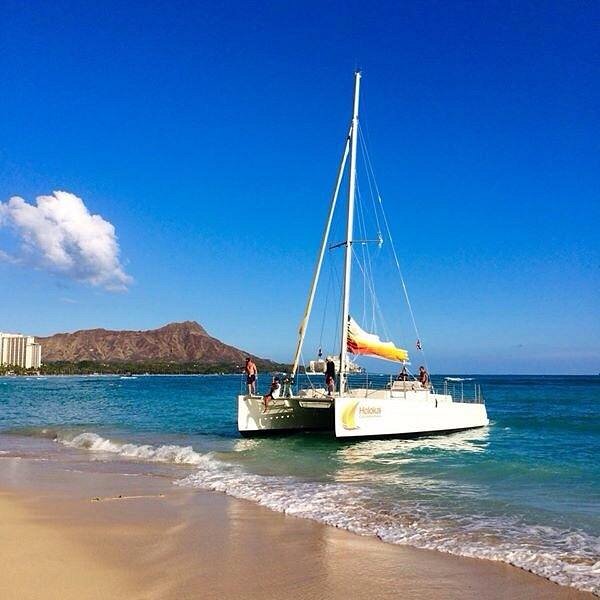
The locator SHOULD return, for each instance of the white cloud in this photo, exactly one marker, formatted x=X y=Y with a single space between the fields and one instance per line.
x=5 y=257
x=60 y=234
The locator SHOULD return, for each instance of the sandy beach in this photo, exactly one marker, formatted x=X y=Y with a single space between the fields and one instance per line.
x=67 y=534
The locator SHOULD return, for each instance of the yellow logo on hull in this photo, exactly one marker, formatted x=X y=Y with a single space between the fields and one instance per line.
x=349 y=415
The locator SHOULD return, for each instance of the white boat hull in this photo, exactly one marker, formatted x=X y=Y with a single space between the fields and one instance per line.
x=284 y=415
x=418 y=413
x=361 y=414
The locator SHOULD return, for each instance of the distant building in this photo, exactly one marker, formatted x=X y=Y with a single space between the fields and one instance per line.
x=19 y=351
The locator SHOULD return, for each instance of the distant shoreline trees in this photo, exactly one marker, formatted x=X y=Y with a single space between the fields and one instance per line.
x=90 y=367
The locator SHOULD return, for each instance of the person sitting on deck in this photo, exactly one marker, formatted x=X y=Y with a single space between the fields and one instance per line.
x=274 y=392
x=403 y=375
x=423 y=376
x=330 y=377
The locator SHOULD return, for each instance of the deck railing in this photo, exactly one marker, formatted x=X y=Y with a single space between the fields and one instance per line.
x=461 y=389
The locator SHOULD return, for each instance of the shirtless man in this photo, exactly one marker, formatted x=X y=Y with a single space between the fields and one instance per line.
x=251 y=373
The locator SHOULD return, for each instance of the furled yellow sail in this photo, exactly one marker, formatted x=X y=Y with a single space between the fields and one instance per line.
x=361 y=342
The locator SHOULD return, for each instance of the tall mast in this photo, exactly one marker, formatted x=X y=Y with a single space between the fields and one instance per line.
x=317 y=271
x=349 y=234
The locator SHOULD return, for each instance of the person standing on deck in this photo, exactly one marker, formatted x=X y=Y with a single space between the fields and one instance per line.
x=423 y=377
x=330 y=376
x=251 y=373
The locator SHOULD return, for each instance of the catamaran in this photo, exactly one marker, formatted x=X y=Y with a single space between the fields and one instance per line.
x=354 y=407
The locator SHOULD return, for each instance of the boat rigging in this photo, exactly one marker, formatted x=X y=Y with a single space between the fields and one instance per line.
x=400 y=406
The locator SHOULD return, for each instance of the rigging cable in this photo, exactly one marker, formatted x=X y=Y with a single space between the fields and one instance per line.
x=325 y=308
x=338 y=284
x=362 y=233
x=376 y=304
x=395 y=255
x=364 y=147
x=310 y=383
x=368 y=265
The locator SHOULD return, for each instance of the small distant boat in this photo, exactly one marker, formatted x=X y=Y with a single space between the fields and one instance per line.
x=356 y=408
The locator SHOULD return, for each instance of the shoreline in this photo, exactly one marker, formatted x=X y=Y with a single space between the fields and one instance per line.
x=238 y=373
x=137 y=535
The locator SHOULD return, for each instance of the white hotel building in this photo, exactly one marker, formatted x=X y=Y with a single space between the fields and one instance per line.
x=19 y=351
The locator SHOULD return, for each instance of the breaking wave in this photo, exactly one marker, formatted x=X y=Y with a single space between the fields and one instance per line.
x=170 y=453
x=567 y=557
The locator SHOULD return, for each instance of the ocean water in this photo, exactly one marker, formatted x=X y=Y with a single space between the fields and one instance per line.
x=525 y=490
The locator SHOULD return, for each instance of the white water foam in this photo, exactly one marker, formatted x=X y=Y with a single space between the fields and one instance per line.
x=180 y=455
x=568 y=558
x=564 y=557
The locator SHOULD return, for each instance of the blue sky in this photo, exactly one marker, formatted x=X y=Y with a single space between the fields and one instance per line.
x=208 y=136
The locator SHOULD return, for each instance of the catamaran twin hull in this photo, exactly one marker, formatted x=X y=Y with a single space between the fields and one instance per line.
x=359 y=415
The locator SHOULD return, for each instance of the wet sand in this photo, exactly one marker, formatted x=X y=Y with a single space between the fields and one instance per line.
x=80 y=534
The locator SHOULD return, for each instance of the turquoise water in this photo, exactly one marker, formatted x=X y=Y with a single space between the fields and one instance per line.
x=525 y=490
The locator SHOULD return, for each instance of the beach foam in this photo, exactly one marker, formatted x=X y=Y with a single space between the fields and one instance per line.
x=567 y=557
x=170 y=453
